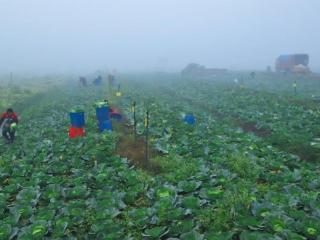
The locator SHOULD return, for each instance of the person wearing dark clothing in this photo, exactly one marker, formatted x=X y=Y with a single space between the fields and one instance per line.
x=111 y=81
x=97 y=81
x=253 y=75
x=8 y=123
x=83 y=81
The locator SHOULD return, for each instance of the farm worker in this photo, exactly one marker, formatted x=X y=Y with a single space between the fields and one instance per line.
x=111 y=80
x=97 y=81
x=8 y=123
x=83 y=81
x=253 y=74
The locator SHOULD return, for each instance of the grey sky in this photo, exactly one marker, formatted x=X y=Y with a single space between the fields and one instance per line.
x=85 y=35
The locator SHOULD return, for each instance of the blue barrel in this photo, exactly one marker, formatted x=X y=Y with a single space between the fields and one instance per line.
x=105 y=125
x=189 y=119
x=77 y=119
x=102 y=114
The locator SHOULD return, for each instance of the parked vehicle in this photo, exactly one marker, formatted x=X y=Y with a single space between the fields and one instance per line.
x=293 y=63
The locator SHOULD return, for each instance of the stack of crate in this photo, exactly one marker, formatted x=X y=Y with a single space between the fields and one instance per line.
x=77 y=124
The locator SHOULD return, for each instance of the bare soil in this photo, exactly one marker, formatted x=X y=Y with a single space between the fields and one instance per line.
x=251 y=127
x=134 y=148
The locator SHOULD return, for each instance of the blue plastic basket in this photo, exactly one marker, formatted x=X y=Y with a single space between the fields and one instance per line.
x=189 y=119
x=77 y=119
x=102 y=114
x=105 y=125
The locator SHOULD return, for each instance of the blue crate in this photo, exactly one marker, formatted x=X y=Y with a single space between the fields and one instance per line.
x=77 y=119
x=105 y=125
x=189 y=119
x=103 y=113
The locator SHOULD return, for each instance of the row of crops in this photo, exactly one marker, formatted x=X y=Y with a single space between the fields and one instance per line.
x=307 y=86
x=215 y=180
x=199 y=146
x=15 y=89
x=290 y=123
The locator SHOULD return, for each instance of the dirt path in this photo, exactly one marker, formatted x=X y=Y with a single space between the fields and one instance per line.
x=134 y=148
x=251 y=127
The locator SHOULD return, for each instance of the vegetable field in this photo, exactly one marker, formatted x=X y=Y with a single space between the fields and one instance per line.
x=248 y=169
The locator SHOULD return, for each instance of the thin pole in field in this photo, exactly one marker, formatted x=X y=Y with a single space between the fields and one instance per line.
x=146 y=123
x=295 y=87
x=134 y=119
x=109 y=83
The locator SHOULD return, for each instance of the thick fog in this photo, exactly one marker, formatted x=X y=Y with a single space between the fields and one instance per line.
x=162 y=35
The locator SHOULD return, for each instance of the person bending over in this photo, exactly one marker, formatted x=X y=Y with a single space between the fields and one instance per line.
x=8 y=123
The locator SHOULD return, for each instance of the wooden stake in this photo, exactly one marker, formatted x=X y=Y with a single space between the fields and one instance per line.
x=295 y=87
x=146 y=123
x=134 y=119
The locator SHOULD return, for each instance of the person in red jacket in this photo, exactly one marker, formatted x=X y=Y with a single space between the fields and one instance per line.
x=8 y=123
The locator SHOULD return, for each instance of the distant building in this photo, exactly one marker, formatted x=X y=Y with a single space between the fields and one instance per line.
x=196 y=70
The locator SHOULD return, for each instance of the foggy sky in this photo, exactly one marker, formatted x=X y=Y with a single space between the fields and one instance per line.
x=86 y=35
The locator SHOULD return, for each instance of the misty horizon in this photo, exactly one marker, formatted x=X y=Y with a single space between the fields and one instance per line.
x=83 y=36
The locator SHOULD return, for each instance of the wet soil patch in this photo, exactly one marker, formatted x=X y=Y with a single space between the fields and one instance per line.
x=251 y=127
